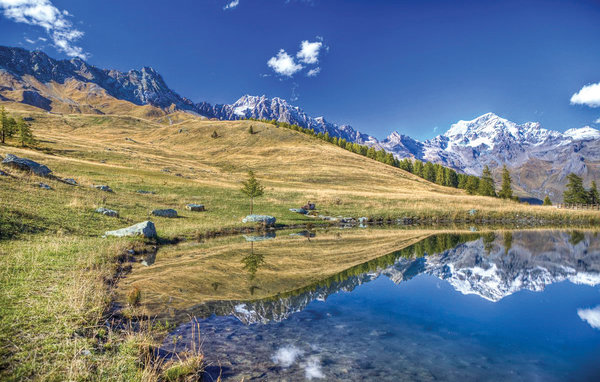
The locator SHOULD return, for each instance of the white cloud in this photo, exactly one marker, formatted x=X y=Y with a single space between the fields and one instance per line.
x=313 y=72
x=286 y=356
x=29 y=40
x=597 y=121
x=591 y=316
x=312 y=368
x=309 y=52
x=588 y=95
x=284 y=64
x=232 y=4
x=44 y=14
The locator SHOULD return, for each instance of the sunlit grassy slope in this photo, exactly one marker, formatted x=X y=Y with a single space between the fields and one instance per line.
x=181 y=163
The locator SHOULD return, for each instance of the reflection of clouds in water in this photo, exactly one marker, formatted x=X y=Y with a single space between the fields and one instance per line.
x=286 y=356
x=312 y=368
x=591 y=316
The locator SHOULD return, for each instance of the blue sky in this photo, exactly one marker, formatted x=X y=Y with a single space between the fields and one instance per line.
x=409 y=66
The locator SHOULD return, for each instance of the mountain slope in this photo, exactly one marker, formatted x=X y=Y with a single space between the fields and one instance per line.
x=539 y=159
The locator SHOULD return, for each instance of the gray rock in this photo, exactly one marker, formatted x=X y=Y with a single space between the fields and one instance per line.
x=194 y=207
x=2 y=173
x=265 y=219
x=146 y=192
x=107 y=212
x=299 y=210
x=166 y=213
x=70 y=181
x=363 y=220
x=145 y=229
x=44 y=186
x=103 y=187
x=26 y=165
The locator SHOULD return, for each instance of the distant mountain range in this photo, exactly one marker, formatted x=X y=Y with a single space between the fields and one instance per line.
x=539 y=159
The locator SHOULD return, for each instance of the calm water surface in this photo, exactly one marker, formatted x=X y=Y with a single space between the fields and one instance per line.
x=522 y=306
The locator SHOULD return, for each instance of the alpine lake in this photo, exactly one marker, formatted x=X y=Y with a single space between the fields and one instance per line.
x=381 y=304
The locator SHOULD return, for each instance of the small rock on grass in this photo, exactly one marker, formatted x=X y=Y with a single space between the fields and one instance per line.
x=265 y=219
x=165 y=213
x=103 y=187
x=44 y=186
x=146 y=229
x=107 y=212
x=194 y=207
x=70 y=181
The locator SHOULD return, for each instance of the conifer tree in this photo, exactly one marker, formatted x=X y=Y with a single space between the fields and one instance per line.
x=214 y=134
x=439 y=175
x=575 y=193
x=7 y=125
x=506 y=191
x=250 y=130
x=593 y=197
x=25 y=134
x=429 y=172
x=472 y=185
x=547 y=201
x=253 y=189
x=486 y=183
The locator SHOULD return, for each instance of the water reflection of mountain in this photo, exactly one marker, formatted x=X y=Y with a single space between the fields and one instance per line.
x=489 y=265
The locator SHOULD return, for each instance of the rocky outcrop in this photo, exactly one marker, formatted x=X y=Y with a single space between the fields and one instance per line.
x=26 y=165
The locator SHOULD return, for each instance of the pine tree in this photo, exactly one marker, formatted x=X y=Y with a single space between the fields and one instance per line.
x=486 y=183
x=25 y=134
x=451 y=177
x=371 y=153
x=418 y=168
x=253 y=189
x=506 y=191
x=547 y=201
x=575 y=193
x=593 y=197
x=7 y=125
x=214 y=134
x=472 y=184
x=250 y=130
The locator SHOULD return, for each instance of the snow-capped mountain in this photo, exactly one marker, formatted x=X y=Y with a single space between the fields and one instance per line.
x=539 y=159
x=280 y=110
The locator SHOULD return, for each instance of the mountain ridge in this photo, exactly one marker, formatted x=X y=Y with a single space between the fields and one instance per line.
x=539 y=158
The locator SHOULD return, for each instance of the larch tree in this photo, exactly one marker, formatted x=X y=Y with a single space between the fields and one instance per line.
x=253 y=189
x=593 y=197
x=506 y=191
x=486 y=183
x=547 y=201
x=25 y=135
x=575 y=192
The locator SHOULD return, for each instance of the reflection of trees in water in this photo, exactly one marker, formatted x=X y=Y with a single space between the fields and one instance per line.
x=253 y=261
x=576 y=237
x=508 y=239
x=488 y=241
x=215 y=285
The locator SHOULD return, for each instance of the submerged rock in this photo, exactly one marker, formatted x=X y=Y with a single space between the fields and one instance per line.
x=145 y=229
x=194 y=207
x=265 y=219
x=107 y=212
x=267 y=236
x=103 y=187
x=26 y=165
x=166 y=213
